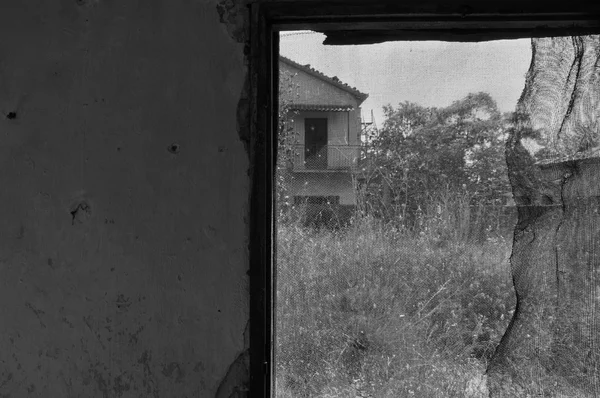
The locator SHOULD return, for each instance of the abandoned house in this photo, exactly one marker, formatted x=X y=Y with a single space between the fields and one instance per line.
x=325 y=119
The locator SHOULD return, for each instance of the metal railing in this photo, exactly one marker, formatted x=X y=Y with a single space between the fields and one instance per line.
x=327 y=157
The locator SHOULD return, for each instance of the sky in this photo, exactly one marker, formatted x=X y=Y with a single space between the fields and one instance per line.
x=429 y=73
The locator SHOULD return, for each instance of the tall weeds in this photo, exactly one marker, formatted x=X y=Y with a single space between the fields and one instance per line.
x=378 y=311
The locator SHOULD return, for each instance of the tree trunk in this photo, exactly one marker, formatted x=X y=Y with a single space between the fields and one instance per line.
x=552 y=345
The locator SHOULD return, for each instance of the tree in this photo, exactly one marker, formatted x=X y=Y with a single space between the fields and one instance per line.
x=423 y=152
x=551 y=347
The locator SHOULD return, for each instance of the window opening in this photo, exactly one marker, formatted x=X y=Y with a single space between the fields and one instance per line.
x=396 y=220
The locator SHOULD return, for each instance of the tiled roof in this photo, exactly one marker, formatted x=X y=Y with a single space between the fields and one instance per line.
x=314 y=107
x=332 y=80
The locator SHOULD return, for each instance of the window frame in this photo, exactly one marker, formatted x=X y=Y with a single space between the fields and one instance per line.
x=358 y=22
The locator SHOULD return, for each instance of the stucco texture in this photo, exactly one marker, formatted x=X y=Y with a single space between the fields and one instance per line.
x=125 y=189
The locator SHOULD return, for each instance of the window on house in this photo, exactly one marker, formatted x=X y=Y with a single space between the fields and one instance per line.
x=403 y=285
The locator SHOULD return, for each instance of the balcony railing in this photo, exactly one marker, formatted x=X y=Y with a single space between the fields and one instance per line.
x=327 y=157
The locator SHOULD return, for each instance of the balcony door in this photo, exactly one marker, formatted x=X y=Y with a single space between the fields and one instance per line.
x=315 y=143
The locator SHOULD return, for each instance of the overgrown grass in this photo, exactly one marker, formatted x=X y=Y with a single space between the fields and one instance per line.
x=369 y=311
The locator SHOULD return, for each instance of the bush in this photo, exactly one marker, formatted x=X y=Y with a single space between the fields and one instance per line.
x=375 y=311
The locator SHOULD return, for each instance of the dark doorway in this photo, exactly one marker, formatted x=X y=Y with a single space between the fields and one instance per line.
x=315 y=143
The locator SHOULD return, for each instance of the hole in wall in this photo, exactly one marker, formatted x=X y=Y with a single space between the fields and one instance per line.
x=174 y=148
x=80 y=212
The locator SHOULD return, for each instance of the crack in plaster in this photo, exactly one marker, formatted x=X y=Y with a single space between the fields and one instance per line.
x=37 y=313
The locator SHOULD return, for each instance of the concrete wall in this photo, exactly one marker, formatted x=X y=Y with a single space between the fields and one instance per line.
x=125 y=187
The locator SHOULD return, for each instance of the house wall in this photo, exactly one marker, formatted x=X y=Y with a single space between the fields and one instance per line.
x=124 y=196
x=337 y=127
x=324 y=184
x=355 y=126
x=343 y=128
x=310 y=89
x=338 y=123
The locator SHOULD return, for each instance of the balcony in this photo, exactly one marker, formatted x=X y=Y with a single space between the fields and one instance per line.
x=326 y=158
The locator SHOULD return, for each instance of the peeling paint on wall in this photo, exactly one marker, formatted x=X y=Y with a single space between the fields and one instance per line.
x=234 y=14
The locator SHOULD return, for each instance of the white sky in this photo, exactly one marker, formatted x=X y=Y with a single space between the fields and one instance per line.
x=428 y=73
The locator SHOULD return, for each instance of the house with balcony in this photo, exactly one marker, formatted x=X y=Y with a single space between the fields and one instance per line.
x=326 y=121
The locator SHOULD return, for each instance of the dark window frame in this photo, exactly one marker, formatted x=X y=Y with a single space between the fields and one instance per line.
x=358 y=22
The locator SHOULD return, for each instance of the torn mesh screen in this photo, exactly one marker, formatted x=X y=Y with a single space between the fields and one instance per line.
x=552 y=344
x=398 y=260
x=560 y=103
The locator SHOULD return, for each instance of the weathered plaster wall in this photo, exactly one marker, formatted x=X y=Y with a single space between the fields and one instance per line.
x=123 y=253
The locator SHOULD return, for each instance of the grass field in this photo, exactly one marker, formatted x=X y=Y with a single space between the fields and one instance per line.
x=370 y=311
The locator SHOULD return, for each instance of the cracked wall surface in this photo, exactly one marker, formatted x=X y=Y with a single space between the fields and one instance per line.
x=124 y=196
